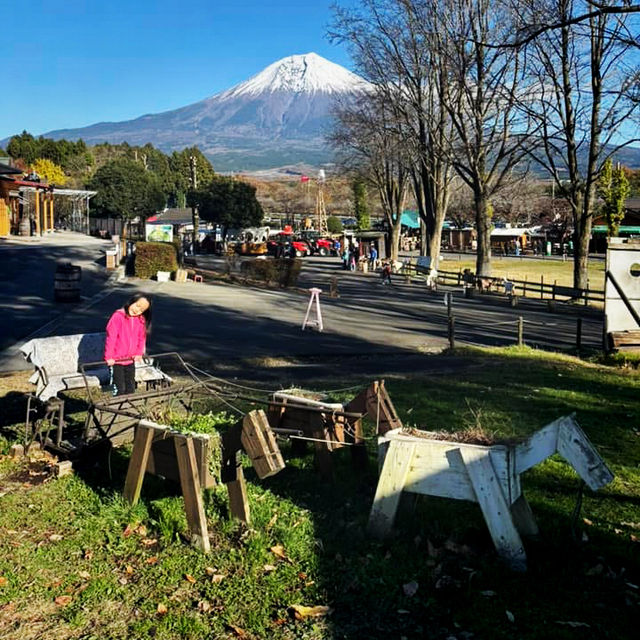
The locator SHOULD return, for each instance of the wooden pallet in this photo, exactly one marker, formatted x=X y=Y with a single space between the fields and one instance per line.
x=625 y=340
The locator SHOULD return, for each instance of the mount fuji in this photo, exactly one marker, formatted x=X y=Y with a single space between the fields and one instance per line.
x=279 y=116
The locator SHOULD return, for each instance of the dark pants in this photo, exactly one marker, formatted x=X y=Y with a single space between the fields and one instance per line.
x=124 y=377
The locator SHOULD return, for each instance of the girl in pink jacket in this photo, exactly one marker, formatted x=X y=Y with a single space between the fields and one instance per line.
x=126 y=340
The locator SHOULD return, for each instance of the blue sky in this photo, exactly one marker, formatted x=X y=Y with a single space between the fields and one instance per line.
x=70 y=63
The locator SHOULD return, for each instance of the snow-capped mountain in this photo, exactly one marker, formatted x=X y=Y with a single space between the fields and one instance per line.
x=278 y=116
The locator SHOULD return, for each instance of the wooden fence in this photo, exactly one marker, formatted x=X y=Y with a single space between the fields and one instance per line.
x=525 y=288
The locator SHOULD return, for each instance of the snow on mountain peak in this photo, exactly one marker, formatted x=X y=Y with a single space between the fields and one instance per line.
x=305 y=73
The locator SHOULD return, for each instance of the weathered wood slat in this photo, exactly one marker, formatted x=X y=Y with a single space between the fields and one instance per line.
x=191 y=490
x=494 y=506
x=260 y=444
x=390 y=486
x=538 y=447
x=138 y=462
x=577 y=450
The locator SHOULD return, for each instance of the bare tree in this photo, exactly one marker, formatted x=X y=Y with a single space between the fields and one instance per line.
x=393 y=44
x=481 y=95
x=368 y=139
x=582 y=103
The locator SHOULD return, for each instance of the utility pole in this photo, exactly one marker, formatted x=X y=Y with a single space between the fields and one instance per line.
x=195 y=215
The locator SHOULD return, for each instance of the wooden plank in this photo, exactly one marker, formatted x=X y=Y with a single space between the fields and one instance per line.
x=438 y=470
x=390 y=486
x=138 y=462
x=542 y=444
x=260 y=444
x=238 y=500
x=577 y=450
x=523 y=517
x=190 y=483
x=322 y=448
x=494 y=506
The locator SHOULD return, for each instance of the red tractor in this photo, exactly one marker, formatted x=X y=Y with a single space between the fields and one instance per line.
x=284 y=244
x=317 y=244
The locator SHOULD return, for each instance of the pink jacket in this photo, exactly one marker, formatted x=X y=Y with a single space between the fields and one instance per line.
x=126 y=337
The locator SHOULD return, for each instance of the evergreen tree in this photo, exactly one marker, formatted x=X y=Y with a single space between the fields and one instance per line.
x=360 y=204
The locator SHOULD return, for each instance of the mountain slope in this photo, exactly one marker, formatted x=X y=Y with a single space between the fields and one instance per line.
x=276 y=117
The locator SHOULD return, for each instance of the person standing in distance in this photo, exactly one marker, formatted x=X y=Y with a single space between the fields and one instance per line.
x=127 y=331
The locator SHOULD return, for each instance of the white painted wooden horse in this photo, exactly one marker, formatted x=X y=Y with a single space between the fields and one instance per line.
x=488 y=475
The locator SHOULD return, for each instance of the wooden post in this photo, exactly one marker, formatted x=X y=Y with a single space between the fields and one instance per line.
x=553 y=293
x=524 y=288
x=578 y=334
x=520 y=331
x=45 y=213
x=451 y=327
x=586 y=295
x=238 y=501
x=541 y=287
x=392 y=479
x=51 y=209
x=138 y=463
x=37 y=203
x=449 y=304
x=190 y=483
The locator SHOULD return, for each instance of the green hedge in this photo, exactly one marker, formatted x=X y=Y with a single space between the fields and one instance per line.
x=152 y=257
x=284 y=271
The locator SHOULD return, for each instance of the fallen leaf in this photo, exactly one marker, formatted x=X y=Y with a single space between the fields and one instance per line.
x=410 y=588
x=141 y=530
x=278 y=550
x=634 y=538
x=300 y=612
x=189 y=578
x=272 y=521
x=204 y=606
x=279 y=622
x=571 y=623
x=302 y=575
x=217 y=578
x=210 y=571
x=152 y=560
x=85 y=575
x=123 y=581
x=149 y=542
x=55 y=537
x=510 y=616
x=129 y=570
x=587 y=521
x=161 y=609
x=88 y=554
x=3 y=581
x=268 y=568
x=63 y=601
x=240 y=633
x=127 y=532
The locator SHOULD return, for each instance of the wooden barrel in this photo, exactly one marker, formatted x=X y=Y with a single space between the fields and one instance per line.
x=66 y=286
x=24 y=228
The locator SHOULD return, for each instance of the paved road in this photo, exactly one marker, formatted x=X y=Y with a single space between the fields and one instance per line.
x=231 y=325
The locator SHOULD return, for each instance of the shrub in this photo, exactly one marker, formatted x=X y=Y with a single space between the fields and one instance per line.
x=284 y=271
x=334 y=224
x=152 y=257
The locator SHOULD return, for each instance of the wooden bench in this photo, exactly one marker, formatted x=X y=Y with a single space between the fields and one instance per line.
x=57 y=361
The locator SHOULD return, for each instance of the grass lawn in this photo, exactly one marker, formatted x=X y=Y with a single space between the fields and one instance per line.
x=78 y=562
x=531 y=269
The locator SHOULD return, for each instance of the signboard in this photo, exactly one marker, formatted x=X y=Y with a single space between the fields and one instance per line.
x=158 y=233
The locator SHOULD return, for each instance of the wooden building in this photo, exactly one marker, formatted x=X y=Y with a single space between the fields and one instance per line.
x=28 y=208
